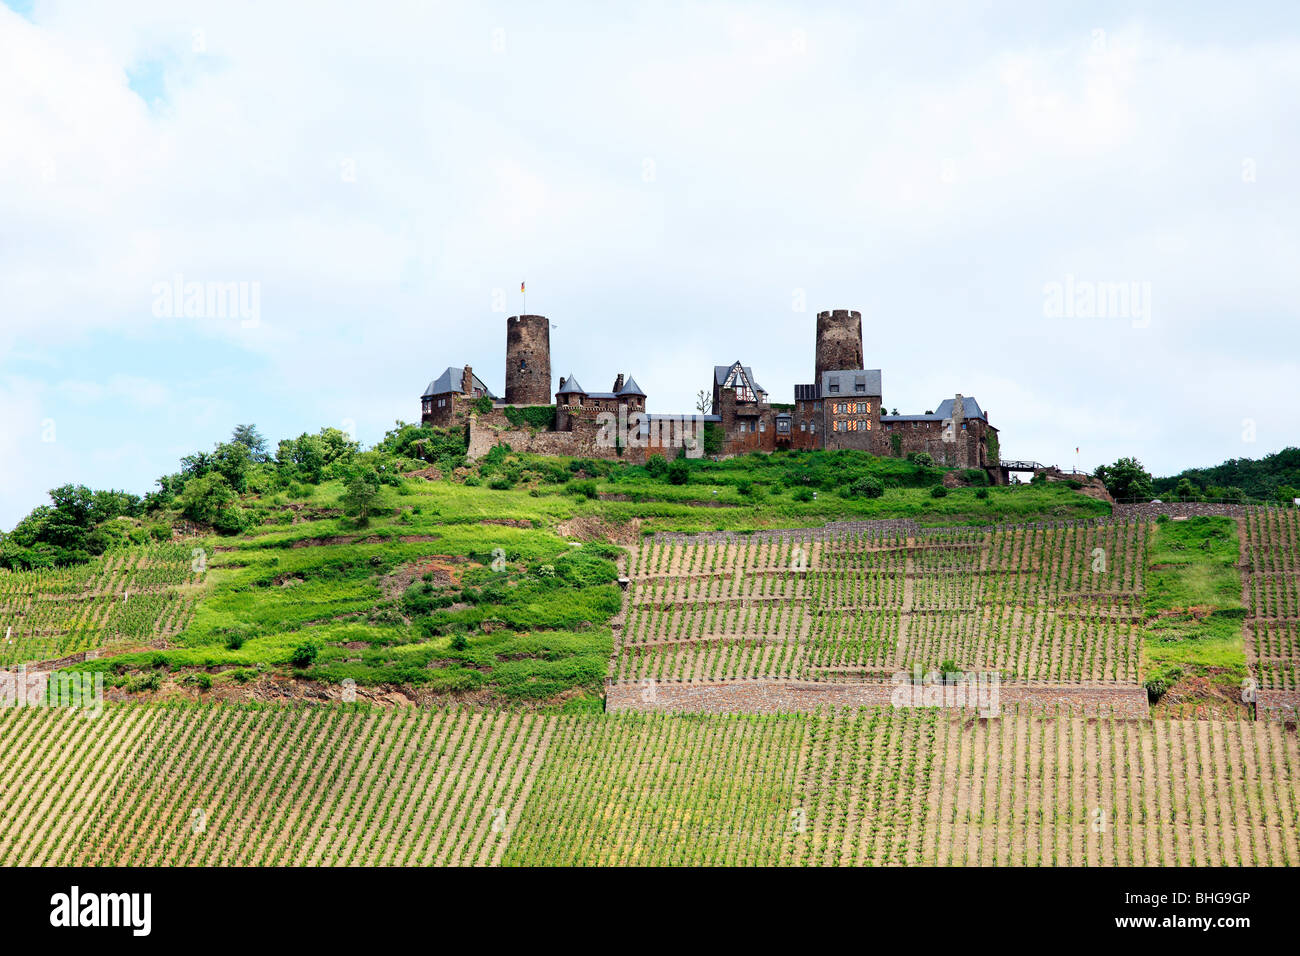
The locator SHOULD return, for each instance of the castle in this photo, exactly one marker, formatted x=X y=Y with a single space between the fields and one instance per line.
x=841 y=408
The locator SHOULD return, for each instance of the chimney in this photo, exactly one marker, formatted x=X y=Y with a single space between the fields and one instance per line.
x=958 y=410
x=467 y=381
x=561 y=383
x=618 y=383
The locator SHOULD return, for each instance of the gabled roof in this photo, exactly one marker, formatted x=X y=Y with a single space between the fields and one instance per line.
x=722 y=372
x=450 y=381
x=969 y=407
x=571 y=387
x=630 y=387
x=849 y=379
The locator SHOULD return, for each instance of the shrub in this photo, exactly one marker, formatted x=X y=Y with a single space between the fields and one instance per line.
x=802 y=493
x=981 y=493
x=483 y=405
x=866 y=488
x=922 y=458
x=534 y=416
x=1159 y=682
x=198 y=679
x=938 y=491
x=656 y=466
x=679 y=472
x=582 y=489
x=304 y=655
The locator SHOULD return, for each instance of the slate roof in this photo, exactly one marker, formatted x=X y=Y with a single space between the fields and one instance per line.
x=970 y=409
x=450 y=381
x=720 y=373
x=571 y=387
x=630 y=387
x=849 y=379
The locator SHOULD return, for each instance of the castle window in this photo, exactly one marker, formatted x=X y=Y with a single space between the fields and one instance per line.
x=803 y=426
x=523 y=364
x=762 y=425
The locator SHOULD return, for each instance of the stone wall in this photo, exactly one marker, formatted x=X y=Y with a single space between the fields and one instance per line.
x=1277 y=704
x=528 y=360
x=759 y=696
x=1181 y=509
x=839 y=341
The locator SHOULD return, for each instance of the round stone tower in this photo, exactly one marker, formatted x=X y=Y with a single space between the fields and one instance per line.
x=839 y=341
x=528 y=360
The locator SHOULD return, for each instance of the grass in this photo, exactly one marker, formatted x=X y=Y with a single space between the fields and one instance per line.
x=472 y=589
x=1193 y=640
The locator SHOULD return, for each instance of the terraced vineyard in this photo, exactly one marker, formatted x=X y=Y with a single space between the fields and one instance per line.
x=1271 y=546
x=194 y=784
x=1058 y=603
x=128 y=597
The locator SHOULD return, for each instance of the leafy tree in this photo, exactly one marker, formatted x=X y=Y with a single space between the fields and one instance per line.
x=1125 y=479
x=303 y=456
x=360 y=495
x=1186 y=491
x=679 y=472
x=656 y=466
x=205 y=498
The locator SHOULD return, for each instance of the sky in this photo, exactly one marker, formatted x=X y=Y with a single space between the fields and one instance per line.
x=680 y=185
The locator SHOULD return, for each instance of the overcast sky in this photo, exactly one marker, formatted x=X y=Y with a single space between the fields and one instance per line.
x=681 y=185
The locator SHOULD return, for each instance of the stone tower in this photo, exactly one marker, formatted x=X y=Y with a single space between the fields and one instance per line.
x=528 y=360
x=839 y=341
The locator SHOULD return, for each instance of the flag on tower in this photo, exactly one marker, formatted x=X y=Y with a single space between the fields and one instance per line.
x=521 y=287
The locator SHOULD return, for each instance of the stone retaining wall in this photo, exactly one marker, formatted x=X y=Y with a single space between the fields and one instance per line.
x=1277 y=704
x=1183 y=509
x=746 y=696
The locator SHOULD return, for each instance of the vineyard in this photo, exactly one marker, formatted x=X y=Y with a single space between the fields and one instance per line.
x=1271 y=554
x=194 y=785
x=125 y=598
x=1057 y=602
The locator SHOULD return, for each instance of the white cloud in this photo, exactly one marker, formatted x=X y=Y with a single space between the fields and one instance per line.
x=664 y=179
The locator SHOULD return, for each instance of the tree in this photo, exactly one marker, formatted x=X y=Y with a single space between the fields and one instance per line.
x=360 y=495
x=679 y=472
x=233 y=461
x=1125 y=479
x=1186 y=491
x=250 y=438
x=703 y=402
x=207 y=499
